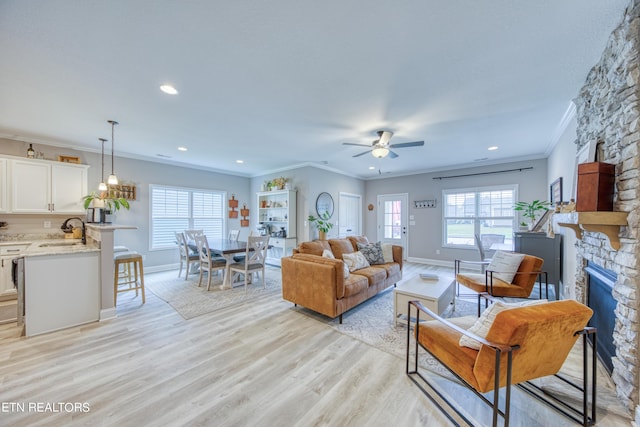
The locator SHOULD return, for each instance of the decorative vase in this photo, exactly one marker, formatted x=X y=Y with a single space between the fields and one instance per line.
x=322 y=235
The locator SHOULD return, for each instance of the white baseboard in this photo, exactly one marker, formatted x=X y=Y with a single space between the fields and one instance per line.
x=163 y=267
x=107 y=314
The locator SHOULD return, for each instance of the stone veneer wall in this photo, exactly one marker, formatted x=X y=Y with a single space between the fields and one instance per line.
x=608 y=112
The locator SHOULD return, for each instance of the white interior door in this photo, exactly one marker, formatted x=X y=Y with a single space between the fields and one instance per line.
x=392 y=219
x=350 y=215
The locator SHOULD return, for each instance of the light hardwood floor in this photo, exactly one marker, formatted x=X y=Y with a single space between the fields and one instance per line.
x=260 y=364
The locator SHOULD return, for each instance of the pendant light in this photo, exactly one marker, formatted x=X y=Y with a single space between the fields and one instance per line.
x=102 y=186
x=113 y=179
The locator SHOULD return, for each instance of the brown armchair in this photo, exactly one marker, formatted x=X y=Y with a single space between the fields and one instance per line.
x=522 y=344
x=521 y=286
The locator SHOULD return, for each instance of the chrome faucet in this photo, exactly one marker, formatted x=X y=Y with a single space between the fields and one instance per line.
x=68 y=228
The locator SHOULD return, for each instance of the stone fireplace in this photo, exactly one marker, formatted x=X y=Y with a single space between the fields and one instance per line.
x=608 y=113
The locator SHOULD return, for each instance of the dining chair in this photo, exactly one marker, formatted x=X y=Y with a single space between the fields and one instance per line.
x=254 y=261
x=186 y=256
x=191 y=234
x=234 y=235
x=208 y=262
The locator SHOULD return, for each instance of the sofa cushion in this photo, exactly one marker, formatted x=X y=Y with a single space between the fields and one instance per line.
x=372 y=252
x=314 y=248
x=355 y=284
x=374 y=275
x=505 y=265
x=355 y=261
x=392 y=268
x=358 y=239
x=340 y=247
x=328 y=254
x=387 y=252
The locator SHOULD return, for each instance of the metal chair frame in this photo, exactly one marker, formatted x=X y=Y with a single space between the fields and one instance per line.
x=580 y=416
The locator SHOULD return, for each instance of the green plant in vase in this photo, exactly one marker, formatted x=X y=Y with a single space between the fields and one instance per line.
x=530 y=210
x=105 y=200
x=321 y=222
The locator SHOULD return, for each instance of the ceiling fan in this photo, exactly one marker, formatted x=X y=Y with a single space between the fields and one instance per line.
x=381 y=147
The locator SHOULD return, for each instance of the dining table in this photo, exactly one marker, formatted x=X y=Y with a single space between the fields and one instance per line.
x=227 y=248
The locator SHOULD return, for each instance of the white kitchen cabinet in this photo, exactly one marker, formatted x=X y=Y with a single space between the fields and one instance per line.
x=7 y=254
x=41 y=186
x=4 y=186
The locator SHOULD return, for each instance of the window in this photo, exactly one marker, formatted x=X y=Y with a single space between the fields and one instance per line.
x=482 y=211
x=176 y=209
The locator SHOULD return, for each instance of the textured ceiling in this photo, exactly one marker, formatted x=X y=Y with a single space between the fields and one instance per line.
x=284 y=83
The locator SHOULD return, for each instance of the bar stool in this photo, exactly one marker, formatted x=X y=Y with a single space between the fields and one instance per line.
x=125 y=267
x=135 y=282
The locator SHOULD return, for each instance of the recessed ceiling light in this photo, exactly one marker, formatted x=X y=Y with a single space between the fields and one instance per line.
x=239 y=161
x=493 y=147
x=168 y=89
x=182 y=148
x=372 y=168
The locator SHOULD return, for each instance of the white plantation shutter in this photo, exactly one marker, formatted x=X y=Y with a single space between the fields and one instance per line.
x=177 y=209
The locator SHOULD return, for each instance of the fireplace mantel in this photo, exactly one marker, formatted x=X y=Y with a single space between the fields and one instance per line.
x=607 y=223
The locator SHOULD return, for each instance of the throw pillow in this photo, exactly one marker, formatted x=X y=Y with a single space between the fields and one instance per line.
x=505 y=265
x=372 y=252
x=387 y=252
x=483 y=324
x=355 y=261
x=328 y=254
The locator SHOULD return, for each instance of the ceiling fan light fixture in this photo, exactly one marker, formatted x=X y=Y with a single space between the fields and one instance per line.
x=380 y=152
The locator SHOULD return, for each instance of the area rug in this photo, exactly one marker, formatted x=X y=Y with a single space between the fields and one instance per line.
x=191 y=300
x=372 y=322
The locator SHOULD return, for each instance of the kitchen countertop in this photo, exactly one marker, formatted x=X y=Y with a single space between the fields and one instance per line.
x=53 y=247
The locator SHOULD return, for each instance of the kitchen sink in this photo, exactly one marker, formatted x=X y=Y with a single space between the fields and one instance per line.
x=58 y=244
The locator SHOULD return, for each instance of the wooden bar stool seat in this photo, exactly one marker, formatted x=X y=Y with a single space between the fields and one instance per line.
x=130 y=261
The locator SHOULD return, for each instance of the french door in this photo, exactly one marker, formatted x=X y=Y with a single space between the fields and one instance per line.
x=393 y=219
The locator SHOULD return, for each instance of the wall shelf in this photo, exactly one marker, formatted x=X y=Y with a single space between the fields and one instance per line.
x=607 y=223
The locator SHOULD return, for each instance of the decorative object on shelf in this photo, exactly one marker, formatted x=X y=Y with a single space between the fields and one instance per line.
x=233 y=204
x=596 y=186
x=530 y=210
x=277 y=183
x=244 y=213
x=123 y=191
x=324 y=204
x=69 y=159
x=322 y=224
x=113 y=179
x=102 y=186
x=370 y=207
x=556 y=191
x=31 y=152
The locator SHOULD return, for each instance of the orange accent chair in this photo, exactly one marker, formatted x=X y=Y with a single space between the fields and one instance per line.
x=521 y=286
x=522 y=344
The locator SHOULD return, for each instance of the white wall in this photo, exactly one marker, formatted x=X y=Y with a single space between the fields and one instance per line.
x=561 y=163
x=425 y=237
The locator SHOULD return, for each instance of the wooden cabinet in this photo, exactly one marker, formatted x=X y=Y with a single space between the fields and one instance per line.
x=7 y=254
x=4 y=186
x=549 y=249
x=277 y=217
x=41 y=186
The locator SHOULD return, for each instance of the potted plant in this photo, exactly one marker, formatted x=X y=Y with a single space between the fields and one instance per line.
x=106 y=201
x=530 y=210
x=321 y=222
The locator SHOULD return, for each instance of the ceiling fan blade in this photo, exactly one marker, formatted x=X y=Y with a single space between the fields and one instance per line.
x=408 y=144
x=392 y=154
x=385 y=136
x=357 y=145
x=362 y=154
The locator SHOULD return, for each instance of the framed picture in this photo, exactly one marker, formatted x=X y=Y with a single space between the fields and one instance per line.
x=556 y=192
x=69 y=159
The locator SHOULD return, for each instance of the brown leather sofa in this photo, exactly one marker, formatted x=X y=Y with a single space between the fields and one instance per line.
x=318 y=283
